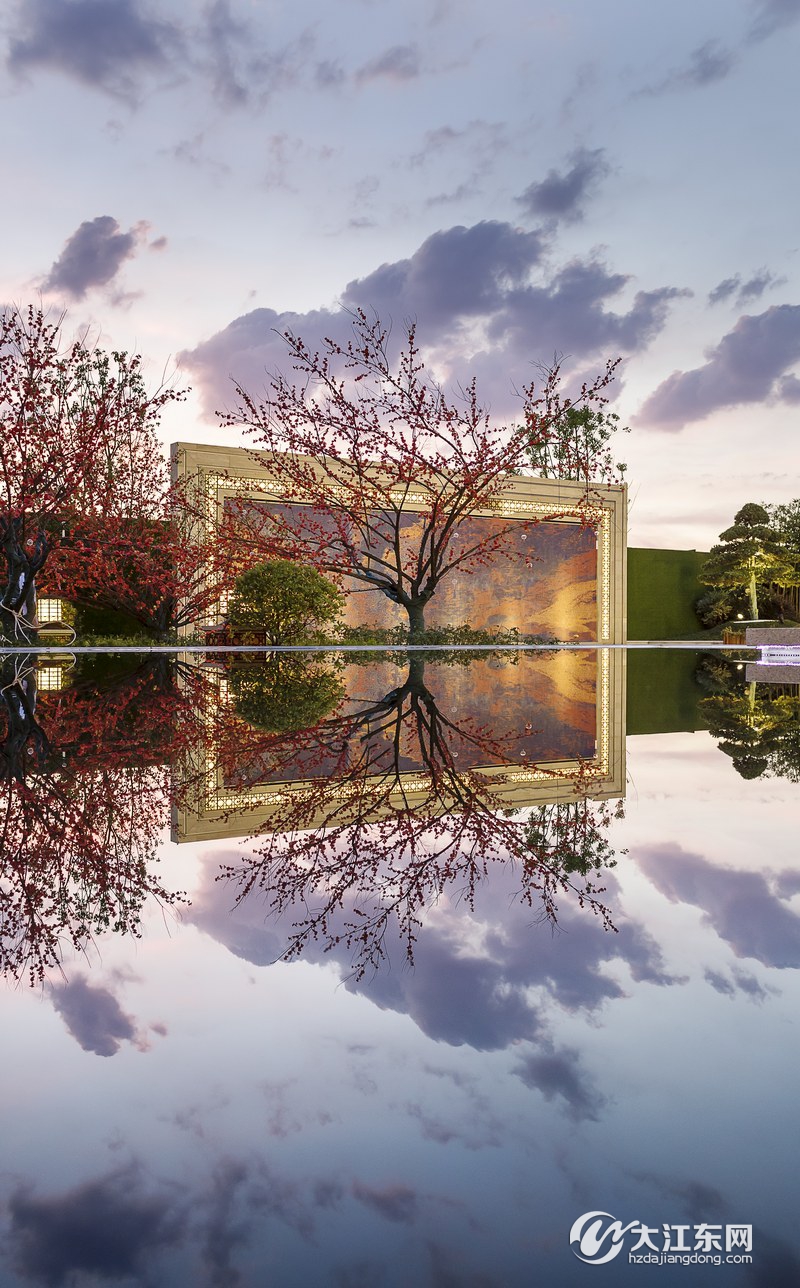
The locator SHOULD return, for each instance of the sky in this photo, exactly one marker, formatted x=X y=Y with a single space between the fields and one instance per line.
x=521 y=180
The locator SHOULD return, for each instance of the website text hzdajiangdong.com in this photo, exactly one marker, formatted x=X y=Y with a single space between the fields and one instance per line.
x=685 y=1259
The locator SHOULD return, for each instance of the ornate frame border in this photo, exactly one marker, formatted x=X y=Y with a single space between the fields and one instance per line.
x=216 y=472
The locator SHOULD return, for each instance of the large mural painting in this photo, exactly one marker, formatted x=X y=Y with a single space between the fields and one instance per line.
x=543 y=582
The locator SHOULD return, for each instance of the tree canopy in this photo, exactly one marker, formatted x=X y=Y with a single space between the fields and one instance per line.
x=749 y=554
x=387 y=468
x=77 y=440
x=289 y=601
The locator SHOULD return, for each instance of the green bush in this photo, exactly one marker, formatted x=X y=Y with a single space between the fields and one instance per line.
x=290 y=602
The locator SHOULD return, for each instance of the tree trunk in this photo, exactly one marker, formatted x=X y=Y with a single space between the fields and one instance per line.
x=23 y=562
x=416 y=618
x=751 y=590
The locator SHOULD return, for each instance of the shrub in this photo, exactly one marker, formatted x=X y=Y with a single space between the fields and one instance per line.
x=289 y=601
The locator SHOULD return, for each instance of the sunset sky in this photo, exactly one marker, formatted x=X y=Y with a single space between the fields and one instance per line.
x=597 y=180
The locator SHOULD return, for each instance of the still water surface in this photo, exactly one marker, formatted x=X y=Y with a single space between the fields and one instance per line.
x=386 y=972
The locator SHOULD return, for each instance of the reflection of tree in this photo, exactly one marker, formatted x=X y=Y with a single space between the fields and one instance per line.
x=81 y=812
x=284 y=692
x=756 y=724
x=390 y=817
x=570 y=836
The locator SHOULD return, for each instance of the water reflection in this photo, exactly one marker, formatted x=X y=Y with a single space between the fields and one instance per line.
x=370 y=791
x=401 y=801
x=82 y=814
x=754 y=718
x=192 y=1111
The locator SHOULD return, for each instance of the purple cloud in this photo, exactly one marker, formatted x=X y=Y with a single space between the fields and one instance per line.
x=93 y=1016
x=739 y=983
x=93 y=256
x=744 y=908
x=724 y=289
x=489 y=277
x=755 y=286
x=396 y=1203
x=107 y=1229
x=399 y=63
x=558 y=1074
x=484 y=1001
x=708 y=63
x=103 y=43
x=745 y=367
x=562 y=195
x=771 y=16
x=239 y=69
x=456 y=274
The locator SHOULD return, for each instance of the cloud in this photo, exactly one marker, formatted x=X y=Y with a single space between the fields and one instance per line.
x=752 y=289
x=455 y=274
x=771 y=16
x=225 y=1230
x=452 y=1267
x=329 y=73
x=239 y=71
x=102 y=43
x=708 y=63
x=557 y=1073
x=745 y=367
x=485 y=304
x=777 y=1264
x=93 y=1016
x=755 y=286
x=743 y=907
x=484 y=999
x=693 y=1196
x=93 y=256
x=740 y=982
x=562 y=196
x=724 y=289
x=107 y=1229
x=396 y=1203
x=788 y=390
x=399 y=63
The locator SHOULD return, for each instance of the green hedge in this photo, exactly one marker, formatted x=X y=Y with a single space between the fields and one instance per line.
x=662 y=588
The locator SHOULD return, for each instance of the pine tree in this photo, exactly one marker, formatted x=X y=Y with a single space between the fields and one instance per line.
x=749 y=554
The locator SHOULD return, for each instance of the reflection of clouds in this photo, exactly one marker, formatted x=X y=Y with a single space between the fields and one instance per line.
x=225 y=1230
x=107 y=1228
x=451 y=1268
x=697 y=1201
x=360 y=1274
x=282 y=1119
x=481 y=979
x=478 y=994
x=775 y=1262
x=557 y=1073
x=394 y=1202
x=94 y=1017
x=746 y=909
